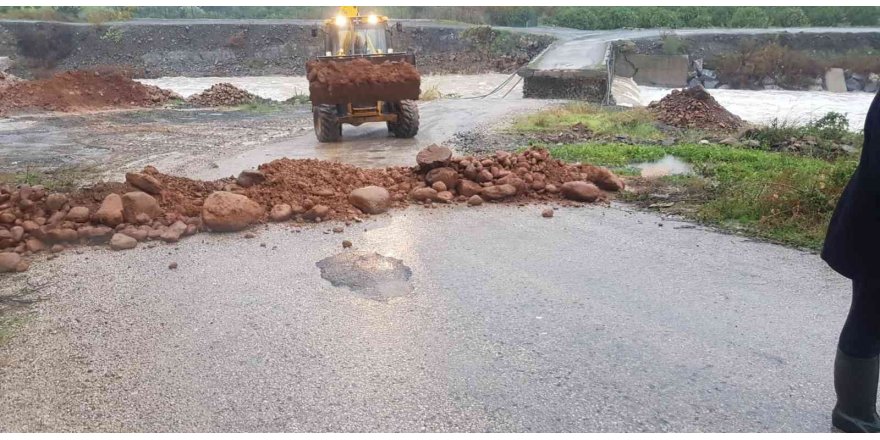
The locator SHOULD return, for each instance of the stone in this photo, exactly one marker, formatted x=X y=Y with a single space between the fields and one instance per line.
x=174 y=232
x=96 y=233
x=110 y=211
x=854 y=85
x=484 y=176
x=227 y=212
x=7 y=218
x=61 y=235
x=475 y=200
x=9 y=262
x=34 y=245
x=137 y=203
x=371 y=199
x=468 y=188
x=172 y=265
x=445 y=196
x=547 y=213
x=728 y=141
x=338 y=229
x=835 y=81
x=581 y=191
x=317 y=213
x=433 y=156
x=710 y=83
x=78 y=214
x=447 y=175
x=281 y=212
x=551 y=188
x=249 y=178
x=121 y=242
x=423 y=194
x=16 y=233
x=498 y=192
x=346 y=244
x=439 y=186
x=56 y=201
x=144 y=182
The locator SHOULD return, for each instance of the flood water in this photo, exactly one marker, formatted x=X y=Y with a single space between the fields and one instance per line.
x=759 y=106
x=668 y=165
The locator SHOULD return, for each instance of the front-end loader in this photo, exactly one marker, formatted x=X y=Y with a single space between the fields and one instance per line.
x=361 y=78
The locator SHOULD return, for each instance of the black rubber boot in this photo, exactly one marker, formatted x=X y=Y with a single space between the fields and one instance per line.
x=855 y=381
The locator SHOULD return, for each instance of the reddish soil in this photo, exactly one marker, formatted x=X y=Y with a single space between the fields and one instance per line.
x=361 y=81
x=694 y=108
x=81 y=90
x=32 y=220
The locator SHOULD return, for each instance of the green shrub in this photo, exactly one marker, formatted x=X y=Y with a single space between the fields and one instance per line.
x=749 y=17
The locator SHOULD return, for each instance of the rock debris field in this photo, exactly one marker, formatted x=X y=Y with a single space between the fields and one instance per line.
x=151 y=206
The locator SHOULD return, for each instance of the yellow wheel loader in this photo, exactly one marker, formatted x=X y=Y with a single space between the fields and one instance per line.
x=354 y=45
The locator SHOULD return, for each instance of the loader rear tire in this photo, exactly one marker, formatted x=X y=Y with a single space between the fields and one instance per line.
x=407 y=124
x=327 y=126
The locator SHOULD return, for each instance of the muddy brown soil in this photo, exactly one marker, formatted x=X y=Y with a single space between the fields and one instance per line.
x=151 y=205
x=81 y=90
x=361 y=81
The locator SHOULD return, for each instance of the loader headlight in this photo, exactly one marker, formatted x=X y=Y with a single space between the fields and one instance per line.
x=341 y=21
x=373 y=19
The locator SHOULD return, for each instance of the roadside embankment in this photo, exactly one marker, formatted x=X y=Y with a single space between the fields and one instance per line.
x=244 y=48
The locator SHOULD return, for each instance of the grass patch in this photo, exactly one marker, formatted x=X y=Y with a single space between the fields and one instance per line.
x=262 y=106
x=778 y=196
x=60 y=179
x=637 y=123
x=8 y=325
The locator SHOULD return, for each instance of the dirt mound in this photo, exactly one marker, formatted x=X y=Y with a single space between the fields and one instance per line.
x=222 y=94
x=7 y=80
x=33 y=220
x=81 y=90
x=694 y=108
x=359 y=80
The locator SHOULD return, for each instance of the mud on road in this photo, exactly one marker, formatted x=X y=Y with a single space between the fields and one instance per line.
x=110 y=143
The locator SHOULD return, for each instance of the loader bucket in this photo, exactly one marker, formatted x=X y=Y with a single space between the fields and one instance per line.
x=363 y=79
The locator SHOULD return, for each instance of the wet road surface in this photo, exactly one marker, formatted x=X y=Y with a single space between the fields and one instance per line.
x=598 y=319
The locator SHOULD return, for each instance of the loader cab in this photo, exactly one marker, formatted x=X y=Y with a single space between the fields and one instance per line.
x=357 y=36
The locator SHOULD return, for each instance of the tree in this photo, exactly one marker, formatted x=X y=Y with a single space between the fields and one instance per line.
x=749 y=17
x=788 y=17
x=575 y=17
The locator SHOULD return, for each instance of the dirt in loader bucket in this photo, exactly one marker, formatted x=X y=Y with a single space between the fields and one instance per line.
x=361 y=80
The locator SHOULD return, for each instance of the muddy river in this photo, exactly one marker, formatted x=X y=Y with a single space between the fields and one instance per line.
x=760 y=106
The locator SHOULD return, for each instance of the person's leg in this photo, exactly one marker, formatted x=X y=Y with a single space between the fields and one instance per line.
x=857 y=364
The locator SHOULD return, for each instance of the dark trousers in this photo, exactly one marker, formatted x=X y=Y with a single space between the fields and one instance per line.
x=860 y=336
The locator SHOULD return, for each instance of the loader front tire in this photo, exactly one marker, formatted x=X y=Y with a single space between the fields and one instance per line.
x=327 y=126
x=407 y=124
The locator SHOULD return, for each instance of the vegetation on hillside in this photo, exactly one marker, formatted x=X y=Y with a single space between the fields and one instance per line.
x=579 y=17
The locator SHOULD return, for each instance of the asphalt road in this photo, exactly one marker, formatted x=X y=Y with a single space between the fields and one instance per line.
x=599 y=319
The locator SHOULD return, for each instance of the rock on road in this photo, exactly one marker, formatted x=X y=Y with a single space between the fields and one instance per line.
x=598 y=319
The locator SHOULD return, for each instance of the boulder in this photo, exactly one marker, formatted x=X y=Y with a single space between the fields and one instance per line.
x=475 y=200
x=56 y=201
x=423 y=194
x=547 y=213
x=61 y=235
x=498 y=192
x=110 y=212
x=317 y=213
x=434 y=156
x=121 y=242
x=34 y=245
x=9 y=262
x=581 y=191
x=249 y=178
x=370 y=199
x=174 y=232
x=439 y=186
x=144 y=182
x=7 y=218
x=468 y=188
x=281 y=212
x=78 y=214
x=137 y=203
x=445 y=196
x=227 y=212
x=447 y=175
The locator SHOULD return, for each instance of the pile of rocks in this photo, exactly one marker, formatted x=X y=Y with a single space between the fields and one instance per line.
x=694 y=107
x=222 y=94
x=858 y=82
x=154 y=206
x=504 y=175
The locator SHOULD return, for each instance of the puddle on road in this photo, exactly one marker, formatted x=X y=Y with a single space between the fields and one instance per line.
x=668 y=165
x=368 y=274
